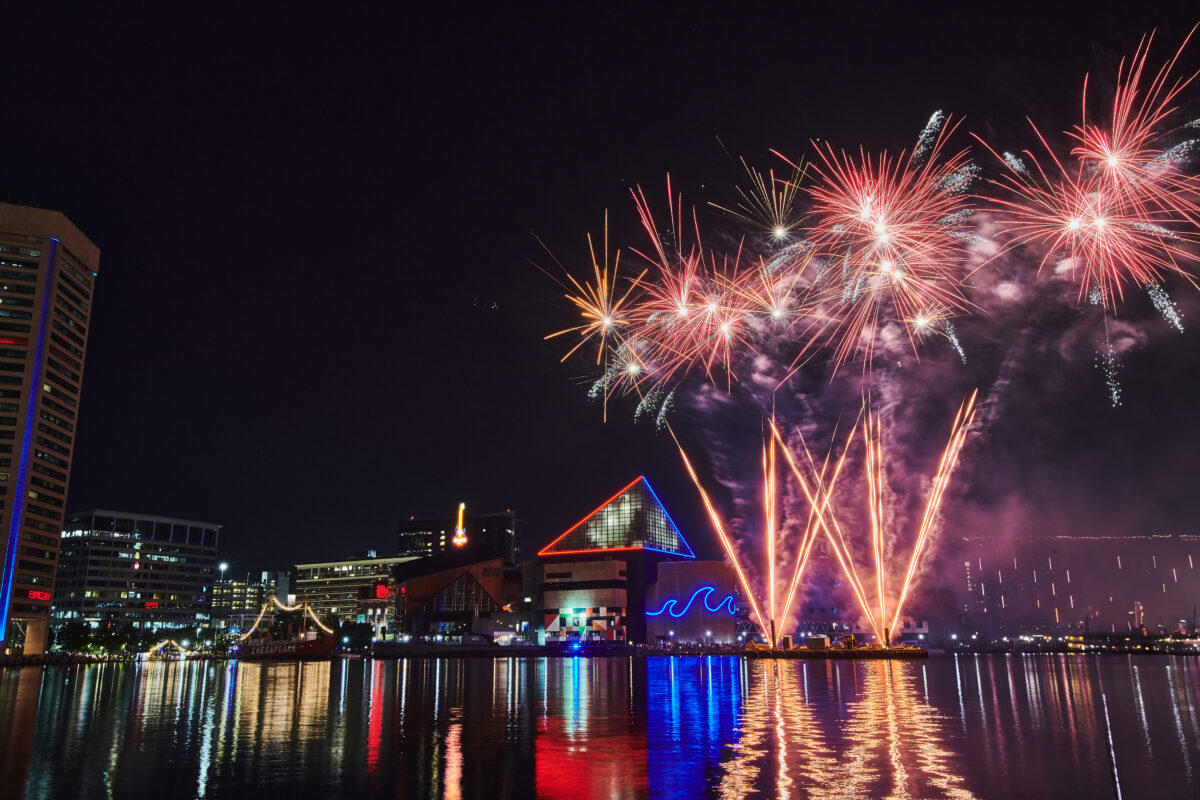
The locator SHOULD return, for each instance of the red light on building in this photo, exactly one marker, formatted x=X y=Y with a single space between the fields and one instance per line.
x=381 y=591
x=150 y=604
x=34 y=594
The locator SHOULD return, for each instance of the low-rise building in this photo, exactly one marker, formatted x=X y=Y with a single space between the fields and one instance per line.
x=438 y=596
x=352 y=590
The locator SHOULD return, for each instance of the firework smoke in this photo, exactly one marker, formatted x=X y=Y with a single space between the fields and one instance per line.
x=903 y=265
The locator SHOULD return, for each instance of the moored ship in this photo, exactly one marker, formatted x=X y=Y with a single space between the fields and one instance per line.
x=313 y=647
x=307 y=643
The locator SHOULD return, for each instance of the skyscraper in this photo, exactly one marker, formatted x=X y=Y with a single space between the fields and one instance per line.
x=47 y=273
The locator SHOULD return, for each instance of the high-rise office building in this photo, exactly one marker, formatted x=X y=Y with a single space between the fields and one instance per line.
x=145 y=571
x=47 y=273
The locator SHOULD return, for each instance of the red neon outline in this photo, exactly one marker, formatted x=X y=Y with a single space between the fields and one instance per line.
x=592 y=550
x=543 y=552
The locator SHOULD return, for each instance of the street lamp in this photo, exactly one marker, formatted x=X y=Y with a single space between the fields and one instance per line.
x=224 y=565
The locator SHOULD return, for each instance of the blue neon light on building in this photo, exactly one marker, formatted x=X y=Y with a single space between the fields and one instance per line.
x=17 y=513
x=670 y=605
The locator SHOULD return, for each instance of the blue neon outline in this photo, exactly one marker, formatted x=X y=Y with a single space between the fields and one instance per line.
x=35 y=387
x=670 y=605
x=674 y=527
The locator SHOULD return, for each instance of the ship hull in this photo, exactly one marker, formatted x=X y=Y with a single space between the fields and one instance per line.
x=312 y=648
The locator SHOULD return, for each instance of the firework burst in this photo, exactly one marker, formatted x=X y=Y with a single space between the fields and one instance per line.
x=849 y=255
x=1119 y=211
x=891 y=234
x=767 y=202
x=600 y=305
x=698 y=313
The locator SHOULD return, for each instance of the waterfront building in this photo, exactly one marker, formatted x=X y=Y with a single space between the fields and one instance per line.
x=47 y=273
x=141 y=570
x=439 y=597
x=695 y=601
x=358 y=589
x=594 y=576
x=484 y=536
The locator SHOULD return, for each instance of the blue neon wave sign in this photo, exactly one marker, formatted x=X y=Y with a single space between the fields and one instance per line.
x=670 y=605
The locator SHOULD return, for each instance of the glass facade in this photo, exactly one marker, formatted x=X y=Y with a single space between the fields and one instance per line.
x=147 y=572
x=633 y=519
x=464 y=594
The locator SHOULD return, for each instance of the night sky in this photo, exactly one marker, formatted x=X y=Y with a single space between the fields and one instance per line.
x=320 y=307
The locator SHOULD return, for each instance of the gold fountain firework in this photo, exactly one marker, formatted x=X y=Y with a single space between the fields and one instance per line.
x=822 y=518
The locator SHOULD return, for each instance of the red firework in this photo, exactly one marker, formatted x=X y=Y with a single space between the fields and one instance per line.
x=1121 y=212
x=694 y=315
x=891 y=234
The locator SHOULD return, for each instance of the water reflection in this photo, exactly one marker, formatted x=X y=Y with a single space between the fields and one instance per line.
x=556 y=728
x=800 y=729
x=694 y=707
x=591 y=732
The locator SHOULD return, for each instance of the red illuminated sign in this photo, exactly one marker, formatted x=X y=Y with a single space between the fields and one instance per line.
x=34 y=594
x=381 y=591
x=151 y=604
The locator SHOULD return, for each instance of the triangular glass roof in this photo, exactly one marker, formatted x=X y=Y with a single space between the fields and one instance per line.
x=464 y=593
x=633 y=519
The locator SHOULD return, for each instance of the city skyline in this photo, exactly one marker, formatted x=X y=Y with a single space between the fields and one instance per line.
x=319 y=316
x=610 y=401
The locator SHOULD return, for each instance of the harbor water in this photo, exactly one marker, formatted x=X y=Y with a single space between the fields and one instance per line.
x=951 y=726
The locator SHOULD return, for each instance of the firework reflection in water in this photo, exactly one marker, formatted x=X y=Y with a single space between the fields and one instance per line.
x=889 y=745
